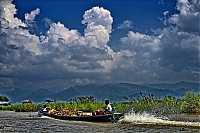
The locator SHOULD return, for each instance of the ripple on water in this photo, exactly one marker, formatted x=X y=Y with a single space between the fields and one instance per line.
x=28 y=122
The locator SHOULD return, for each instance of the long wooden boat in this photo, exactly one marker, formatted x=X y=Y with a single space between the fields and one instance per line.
x=90 y=118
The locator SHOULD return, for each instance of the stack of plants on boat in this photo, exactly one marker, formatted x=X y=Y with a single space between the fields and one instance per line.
x=64 y=112
x=86 y=104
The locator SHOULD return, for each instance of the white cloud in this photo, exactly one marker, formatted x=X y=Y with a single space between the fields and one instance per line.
x=127 y=24
x=140 y=42
x=165 y=18
x=12 y=31
x=188 y=18
x=99 y=24
x=161 y=2
x=179 y=49
x=31 y=16
x=8 y=11
x=171 y=50
x=98 y=16
x=59 y=33
x=48 y=22
x=64 y=56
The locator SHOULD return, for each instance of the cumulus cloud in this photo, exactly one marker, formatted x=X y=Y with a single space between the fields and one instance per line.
x=188 y=17
x=173 y=50
x=127 y=24
x=31 y=16
x=12 y=31
x=64 y=56
x=99 y=24
x=58 y=33
x=180 y=42
x=48 y=22
x=30 y=19
x=8 y=11
x=60 y=54
x=98 y=16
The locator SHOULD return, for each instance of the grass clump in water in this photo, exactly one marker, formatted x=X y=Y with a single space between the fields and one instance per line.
x=190 y=103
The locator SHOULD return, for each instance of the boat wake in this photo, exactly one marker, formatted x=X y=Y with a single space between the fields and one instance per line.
x=145 y=118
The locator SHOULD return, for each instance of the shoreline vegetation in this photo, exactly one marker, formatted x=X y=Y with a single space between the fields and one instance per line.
x=188 y=104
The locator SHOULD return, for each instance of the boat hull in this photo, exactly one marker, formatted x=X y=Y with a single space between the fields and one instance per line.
x=95 y=118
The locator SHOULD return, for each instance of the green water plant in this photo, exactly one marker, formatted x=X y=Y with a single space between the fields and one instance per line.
x=190 y=103
x=4 y=98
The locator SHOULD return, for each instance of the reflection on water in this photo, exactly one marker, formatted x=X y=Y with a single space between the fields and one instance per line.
x=29 y=122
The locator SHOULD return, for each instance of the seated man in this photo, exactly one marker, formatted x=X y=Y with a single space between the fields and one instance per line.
x=46 y=110
x=108 y=108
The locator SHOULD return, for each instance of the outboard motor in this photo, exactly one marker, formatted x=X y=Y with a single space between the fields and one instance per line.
x=40 y=111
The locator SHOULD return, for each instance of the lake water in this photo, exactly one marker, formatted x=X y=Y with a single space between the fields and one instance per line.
x=146 y=123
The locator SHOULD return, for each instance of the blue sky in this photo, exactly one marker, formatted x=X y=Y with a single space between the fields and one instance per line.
x=145 y=15
x=48 y=43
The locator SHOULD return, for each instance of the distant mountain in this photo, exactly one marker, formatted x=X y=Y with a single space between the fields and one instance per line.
x=39 y=95
x=16 y=93
x=65 y=94
x=177 y=86
x=111 y=91
x=115 y=92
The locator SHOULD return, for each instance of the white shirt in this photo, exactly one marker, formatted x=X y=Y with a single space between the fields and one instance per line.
x=45 y=109
x=109 y=108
